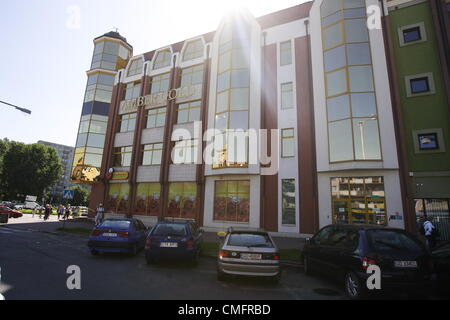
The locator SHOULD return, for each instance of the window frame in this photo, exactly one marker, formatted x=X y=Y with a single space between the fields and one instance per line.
x=422 y=31
x=150 y=148
x=430 y=80
x=283 y=140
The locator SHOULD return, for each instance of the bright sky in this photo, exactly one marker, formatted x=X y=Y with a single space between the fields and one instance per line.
x=46 y=52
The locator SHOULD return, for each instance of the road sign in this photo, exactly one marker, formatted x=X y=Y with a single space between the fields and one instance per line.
x=68 y=194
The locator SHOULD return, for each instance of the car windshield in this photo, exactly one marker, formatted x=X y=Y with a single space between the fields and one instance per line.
x=388 y=240
x=167 y=229
x=255 y=240
x=120 y=224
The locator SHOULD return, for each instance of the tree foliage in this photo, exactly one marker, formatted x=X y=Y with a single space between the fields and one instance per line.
x=28 y=169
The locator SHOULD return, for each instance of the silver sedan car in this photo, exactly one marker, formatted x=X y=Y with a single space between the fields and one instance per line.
x=248 y=252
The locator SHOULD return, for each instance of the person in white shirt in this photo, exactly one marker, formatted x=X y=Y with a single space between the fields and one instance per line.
x=429 y=230
x=100 y=214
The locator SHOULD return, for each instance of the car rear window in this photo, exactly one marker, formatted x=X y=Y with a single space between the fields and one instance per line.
x=170 y=230
x=388 y=240
x=115 y=224
x=257 y=240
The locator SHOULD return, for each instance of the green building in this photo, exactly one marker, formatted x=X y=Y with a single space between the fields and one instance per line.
x=418 y=49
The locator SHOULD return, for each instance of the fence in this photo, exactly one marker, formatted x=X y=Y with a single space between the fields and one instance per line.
x=439 y=210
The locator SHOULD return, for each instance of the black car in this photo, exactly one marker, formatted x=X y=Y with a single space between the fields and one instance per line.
x=344 y=252
x=441 y=261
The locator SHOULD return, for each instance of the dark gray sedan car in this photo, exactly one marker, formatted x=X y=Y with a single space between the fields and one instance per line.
x=248 y=252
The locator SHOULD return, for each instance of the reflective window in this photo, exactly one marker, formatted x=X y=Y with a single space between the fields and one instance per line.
x=285 y=53
x=152 y=154
x=135 y=67
x=185 y=152
x=287 y=96
x=132 y=90
x=99 y=87
x=288 y=202
x=156 y=118
x=160 y=83
x=420 y=85
x=182 y=200
x=411 y=35
x=162 y=59
x=118 y=197
x=127 y=122
x=353 y=132
x=194 y=49
x=287 y=143
x=122 y=156
x=148 y=199
x=192 y=76
x=358 y=200
x=189 y=112
x=232 y=201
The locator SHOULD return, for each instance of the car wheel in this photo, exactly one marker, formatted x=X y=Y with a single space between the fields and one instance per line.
x=353 y=286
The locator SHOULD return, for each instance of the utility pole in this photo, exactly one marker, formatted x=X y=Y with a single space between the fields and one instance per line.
x=18 y=108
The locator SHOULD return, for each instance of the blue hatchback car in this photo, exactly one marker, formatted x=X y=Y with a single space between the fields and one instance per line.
x=174 y=239
x=118 y=235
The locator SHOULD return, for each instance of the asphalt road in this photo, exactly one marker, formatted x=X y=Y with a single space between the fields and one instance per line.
x=34 y=265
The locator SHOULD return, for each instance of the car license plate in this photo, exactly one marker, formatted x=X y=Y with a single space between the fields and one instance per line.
x=168 y=245
x=405 y=264
x=108 y=234
x=250 y=256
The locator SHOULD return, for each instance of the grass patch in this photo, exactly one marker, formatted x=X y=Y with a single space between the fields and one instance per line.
x=75 y=230
x=210 y=249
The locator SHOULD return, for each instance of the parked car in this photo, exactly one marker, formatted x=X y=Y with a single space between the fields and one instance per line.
x=118 y=235
x=30 y=205
x=441 y=262
x=344 y=252
x=19 y=206
x=4 y=217
x=83 y=211
x=248 y=252
x=10 y=212
x=8 y=204
x=174 y=239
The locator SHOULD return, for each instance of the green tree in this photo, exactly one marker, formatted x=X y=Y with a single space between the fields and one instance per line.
x=29 y=169
x=80 y=196
x=4 y=144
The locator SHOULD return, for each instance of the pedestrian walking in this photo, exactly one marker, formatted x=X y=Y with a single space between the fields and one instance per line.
x=430 y=232
x=33 y=212
x=68 y=211
x=41 y=210
x=100 y=216
x=60 y=211
x=48 y=212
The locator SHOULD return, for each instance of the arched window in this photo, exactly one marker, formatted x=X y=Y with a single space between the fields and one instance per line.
x=135 y=67
x=194 y=49
x=162 y=59
x=349 y=83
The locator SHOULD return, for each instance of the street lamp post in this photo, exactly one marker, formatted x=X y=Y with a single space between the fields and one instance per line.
x=16 y=107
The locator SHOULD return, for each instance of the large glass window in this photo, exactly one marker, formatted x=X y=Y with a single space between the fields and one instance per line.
x=118 y=196
x=152 y=154
x=132 y=90
x=182 y=200
x=194 y=49
x=358 y=200
x=156 y=118
x=192 y=76
x=287 y=143
x=122 y=156
x=287 y=96
x=162 y=59
x=189 y=112
x=160 y=83
x=285 y=53
x=135 y=67
x=127 y=122
x=148 y=199
x=99 y=87
x=288 y=202
x=233 y=96
x=232 y=201
x=351 y=104
x=185 y=152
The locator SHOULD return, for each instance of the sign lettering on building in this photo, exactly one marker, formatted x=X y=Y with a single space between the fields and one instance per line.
x=156 y=99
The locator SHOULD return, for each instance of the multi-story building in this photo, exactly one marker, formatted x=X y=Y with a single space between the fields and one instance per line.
x=65 y=154
x=417 y=35
x=187 y=123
